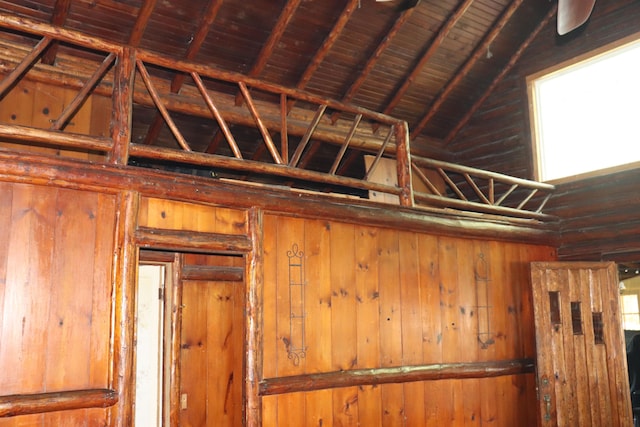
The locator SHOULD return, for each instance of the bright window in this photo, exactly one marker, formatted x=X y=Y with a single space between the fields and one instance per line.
x=586 y=115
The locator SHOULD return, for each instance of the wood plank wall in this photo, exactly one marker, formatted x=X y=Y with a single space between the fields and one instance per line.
x=598 y=216
x=55 y=295
x=380 y=298
x=36 y=104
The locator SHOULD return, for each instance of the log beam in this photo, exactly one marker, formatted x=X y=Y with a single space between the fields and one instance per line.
x=38 y=403
x=401 y=374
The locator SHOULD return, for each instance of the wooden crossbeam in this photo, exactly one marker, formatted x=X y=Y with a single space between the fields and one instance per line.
x=144 y=13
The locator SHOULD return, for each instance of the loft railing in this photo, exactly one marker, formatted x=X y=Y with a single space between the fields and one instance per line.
x=293 y=124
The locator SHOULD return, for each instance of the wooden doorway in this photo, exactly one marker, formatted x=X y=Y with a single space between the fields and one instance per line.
x=581 y=363
x=203 y=339
x=211 y=343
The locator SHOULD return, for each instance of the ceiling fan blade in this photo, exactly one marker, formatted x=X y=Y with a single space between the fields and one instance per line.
x=573 y=13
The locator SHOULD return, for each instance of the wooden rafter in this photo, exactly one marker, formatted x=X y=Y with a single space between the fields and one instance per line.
x=328 y=43
x=141 y=22
x=199 y=37
x=59 y=16
x=426 y=56
x=274 y=37
x=512 y=62
x=468 y=65
x=373 y=59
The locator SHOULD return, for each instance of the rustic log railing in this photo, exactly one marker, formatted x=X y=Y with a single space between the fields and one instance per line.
x=316 y=121
x=25 y=404
x=465 y=188
x=402 y=374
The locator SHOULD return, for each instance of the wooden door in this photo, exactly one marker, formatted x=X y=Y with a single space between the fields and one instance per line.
x=211 y=351
x=581 y=360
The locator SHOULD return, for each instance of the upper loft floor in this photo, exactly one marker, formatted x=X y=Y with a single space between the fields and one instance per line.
x=129 y=107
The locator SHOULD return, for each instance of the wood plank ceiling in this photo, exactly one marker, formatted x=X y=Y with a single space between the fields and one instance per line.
x=430 y=65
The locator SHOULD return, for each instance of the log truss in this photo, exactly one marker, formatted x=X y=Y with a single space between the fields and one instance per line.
x=293 y=125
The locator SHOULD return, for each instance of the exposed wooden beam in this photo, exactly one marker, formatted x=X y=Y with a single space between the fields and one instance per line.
x=142 y=20
x=59 y=16
x=328 y=43
x=505 y=70
x=199 y=37
x=400 y=374
x=373 y=59
x=274 y=37
x=426 y=56
x=38 y=403
x=468 y=65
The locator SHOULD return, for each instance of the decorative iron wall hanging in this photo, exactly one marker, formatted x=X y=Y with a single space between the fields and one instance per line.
x=481 y=275
x=296 y=346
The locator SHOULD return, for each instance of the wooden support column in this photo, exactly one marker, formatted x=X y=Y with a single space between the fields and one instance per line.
x=253 y=322
x=123 y=88
x=125 y=260
x=403 y=161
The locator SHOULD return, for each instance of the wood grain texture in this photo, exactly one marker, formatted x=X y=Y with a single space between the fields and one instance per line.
x=414 y=298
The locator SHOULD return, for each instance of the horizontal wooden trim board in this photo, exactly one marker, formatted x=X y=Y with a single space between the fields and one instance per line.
x=213 y=273
x=25 y=404
x=191 y=241
x=401 y=374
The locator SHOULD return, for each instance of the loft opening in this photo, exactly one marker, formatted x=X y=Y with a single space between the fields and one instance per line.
x=584 y=114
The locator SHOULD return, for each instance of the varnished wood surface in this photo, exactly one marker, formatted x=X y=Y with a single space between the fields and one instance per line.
x=395 y=298
x=38 y=403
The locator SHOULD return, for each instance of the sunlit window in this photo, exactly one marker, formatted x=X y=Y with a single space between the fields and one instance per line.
x=586 y=115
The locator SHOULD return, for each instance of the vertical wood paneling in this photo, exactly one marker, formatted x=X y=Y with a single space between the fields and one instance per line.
x=318 y=306
x=54 y=295
x=193 y=360
x=412 y=299
x=368 y=332
x=69 y=321
x=343 y=320
x=470 y=272
x=390 y=324
x=291 y=407
x=269 y=309
x=411 y=331
x=448 y=264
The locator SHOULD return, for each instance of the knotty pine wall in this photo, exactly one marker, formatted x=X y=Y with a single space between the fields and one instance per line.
x=55 y=295
x=379 y=297
x=38 y=105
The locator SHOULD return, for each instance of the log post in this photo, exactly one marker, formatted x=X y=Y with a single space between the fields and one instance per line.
x=122 y=98
x=403 y=161
x=253 y=322
x=125 y=260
